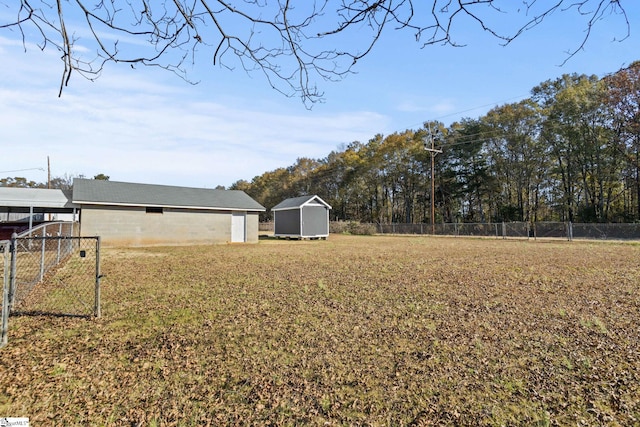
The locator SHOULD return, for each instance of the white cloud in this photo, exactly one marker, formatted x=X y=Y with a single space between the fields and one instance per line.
x=140 y=129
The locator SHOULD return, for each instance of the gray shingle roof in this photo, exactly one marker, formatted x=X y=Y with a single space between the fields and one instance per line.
x=297 y=202
x=99 y=192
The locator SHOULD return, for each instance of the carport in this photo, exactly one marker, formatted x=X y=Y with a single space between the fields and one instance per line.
x=22 y=208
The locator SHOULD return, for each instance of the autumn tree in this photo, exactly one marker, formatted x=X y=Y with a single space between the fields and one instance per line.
x=64 y=182
x=469 y=163
x=327 y=182
x=302 y=176
x=20 y=182
x=359 y=193
x=623 y=100
x=568 y=153
x=575 y=128
x=403 y=168
x=268 y=189
x=518 y=158
x=292 y=44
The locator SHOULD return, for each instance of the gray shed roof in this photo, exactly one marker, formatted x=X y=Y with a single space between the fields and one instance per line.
x=39 y=199
x=100 y=192
x=298 y=202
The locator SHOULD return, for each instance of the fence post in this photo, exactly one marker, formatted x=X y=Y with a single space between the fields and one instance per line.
x=59 y=243
x=13 y=250
x=4 y=332
x=570 y=231
x=43 y=254
x=96 y=308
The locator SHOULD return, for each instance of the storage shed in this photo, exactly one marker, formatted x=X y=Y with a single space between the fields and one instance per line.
x=125 y=213
x=301 y=217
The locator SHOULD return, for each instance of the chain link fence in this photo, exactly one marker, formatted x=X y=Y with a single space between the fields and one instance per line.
x=504 y=230
x=56 y=275
x=50 y=275
x=605 y=231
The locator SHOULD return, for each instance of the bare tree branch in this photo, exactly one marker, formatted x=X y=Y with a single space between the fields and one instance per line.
x=293 y=44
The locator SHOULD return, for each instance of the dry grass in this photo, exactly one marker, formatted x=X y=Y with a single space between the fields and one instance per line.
x=384 y=331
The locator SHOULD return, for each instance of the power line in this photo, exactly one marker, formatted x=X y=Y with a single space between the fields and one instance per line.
x=482 y=106
x=474 y=108
x=23 y=170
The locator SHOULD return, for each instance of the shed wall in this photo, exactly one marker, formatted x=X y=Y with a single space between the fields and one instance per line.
x=314 y=221
x=134 y=226
x=287 y=222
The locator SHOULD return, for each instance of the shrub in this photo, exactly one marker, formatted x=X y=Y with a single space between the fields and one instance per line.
x=352 y=227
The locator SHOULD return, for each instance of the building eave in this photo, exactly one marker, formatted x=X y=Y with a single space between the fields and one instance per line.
x=81 y=203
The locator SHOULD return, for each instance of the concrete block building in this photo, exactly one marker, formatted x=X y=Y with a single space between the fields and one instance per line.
x=145 y=214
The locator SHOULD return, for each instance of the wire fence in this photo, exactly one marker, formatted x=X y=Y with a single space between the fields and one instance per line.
x=520 y=230
x=55 y=275
x=503 y=230
x=44 y=274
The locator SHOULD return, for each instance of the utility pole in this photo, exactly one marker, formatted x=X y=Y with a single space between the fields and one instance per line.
x=432 y=150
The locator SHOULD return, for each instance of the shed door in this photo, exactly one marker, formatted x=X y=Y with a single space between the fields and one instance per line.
x=238 y=226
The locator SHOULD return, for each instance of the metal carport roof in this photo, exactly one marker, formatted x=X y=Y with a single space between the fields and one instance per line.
x=36 y=200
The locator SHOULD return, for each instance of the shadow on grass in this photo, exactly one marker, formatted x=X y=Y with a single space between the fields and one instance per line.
x=267 y=237
x=37 y=313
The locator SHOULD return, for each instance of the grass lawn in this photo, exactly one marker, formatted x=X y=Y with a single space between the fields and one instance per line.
x=355 y=330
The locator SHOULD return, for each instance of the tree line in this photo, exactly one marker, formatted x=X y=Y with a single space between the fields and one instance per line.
x=59 y=182
x=569 y=152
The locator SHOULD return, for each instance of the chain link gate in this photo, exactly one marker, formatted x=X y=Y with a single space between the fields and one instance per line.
x=58 y=276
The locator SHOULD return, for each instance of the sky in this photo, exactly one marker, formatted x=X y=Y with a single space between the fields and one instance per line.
x=146 y=125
